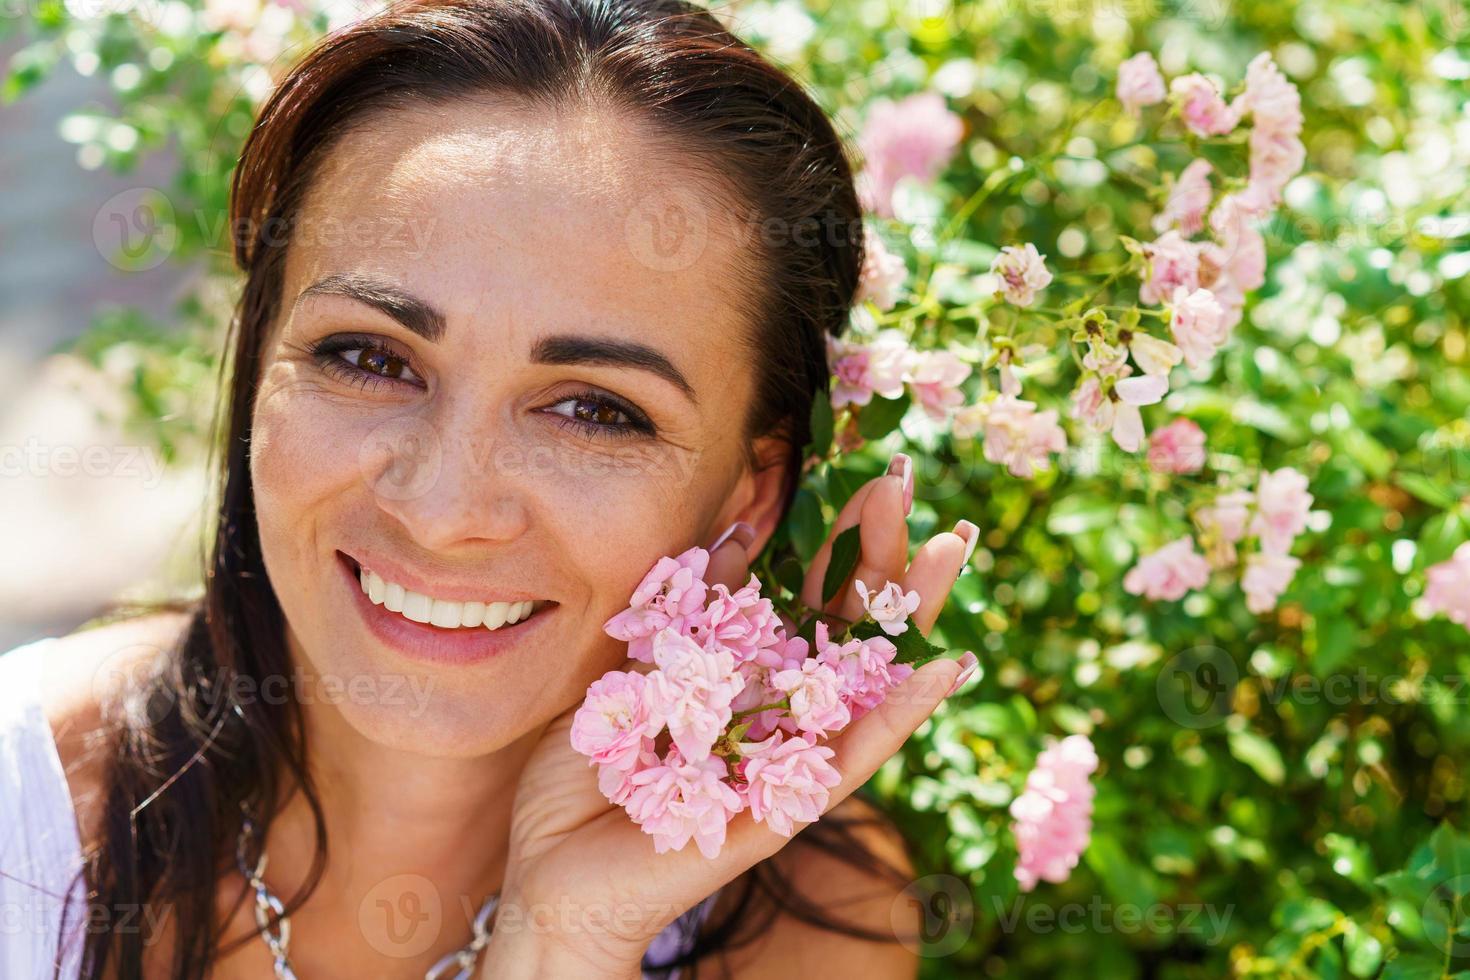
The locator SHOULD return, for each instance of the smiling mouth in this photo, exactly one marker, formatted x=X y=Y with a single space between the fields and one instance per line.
x=449 y=614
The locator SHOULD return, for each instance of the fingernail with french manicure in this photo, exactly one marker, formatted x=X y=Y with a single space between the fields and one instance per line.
x=740 y=531
x=902 y=466
x=971 y=534
x=968 y=663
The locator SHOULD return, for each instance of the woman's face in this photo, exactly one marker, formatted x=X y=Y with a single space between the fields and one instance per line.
x=510 y=364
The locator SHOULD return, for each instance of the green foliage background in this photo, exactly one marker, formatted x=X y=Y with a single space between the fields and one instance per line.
x=1270 y=786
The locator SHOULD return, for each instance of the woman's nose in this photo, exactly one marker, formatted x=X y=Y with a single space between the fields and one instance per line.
x=445 y=483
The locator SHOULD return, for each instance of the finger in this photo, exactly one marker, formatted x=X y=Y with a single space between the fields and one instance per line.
x=935 y=569
x=811 y=590
x=729 y=559
x=885 y=547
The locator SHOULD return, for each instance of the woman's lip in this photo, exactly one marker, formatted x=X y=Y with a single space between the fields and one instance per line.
x=434 y=644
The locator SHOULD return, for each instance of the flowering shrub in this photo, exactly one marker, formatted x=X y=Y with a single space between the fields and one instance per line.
x=1171 y=301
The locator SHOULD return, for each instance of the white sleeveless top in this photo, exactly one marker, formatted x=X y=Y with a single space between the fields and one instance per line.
x=40 y=853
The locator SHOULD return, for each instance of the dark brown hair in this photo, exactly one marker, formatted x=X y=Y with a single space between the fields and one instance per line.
x=176 y=783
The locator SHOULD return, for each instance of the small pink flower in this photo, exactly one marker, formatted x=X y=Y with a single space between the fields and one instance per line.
x=1267 y=574
x=676 y=801
x=863 y=370
x=934 y=378
x=668 y=594
x=865 y=669
x=613 y=724
x=1178 y=447
x=1282 y=506
x=1127 y=420
x=814 y=690
x=1169 y=573
x=1223 y=524
x=788 y=780
x=1172 y=262
x=617 y=784
x=1053 y=816
x=691 y=692
x=1140 y=82
x=1022 y=273
x=1020 y=437
x=1189 y=199
x=1201 y=107
x=740 y=623
x=890 y=607
x=1198 y=324
x=1091 y=405
x=1153 y=355
x=1448 y=586
x=914 y=137
x=1277 y=153
x=883 y=273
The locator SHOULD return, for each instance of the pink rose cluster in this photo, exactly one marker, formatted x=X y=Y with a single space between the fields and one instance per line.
x=1448 y=588
x=884 y=364
x=731 y=715
x=1275 y=514
x=1053 y=815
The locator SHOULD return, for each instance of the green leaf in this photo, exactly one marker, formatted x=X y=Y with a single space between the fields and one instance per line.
x=1412 y=967
x=791 y=575
x=846 y=548
x=913 y=649
x=1258 y=753
x=1364 y=952
x=821 y=425
x=1425 y=489
x=881 y=416
x=807 y=526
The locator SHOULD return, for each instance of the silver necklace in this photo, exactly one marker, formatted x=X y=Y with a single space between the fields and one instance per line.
x=277 y=935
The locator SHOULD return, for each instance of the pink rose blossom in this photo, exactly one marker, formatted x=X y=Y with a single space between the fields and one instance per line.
x=914 y=137
x=691 y=692
x=1092 y=406
x=1178 y=447
x=814 y=689
x=865 y=669
x=1201 y=107
x=1277 y=153
x=617 y=784
x=1053 y=815
x=1267 y=574
x=614 y=724
x=1169 y=573
x=1140 y=82
x=1282 y=506
x=1188 y=200
x=1172 y=262
x=668 y=594
x=788 y=780
x=1127 y=420
x=883 y=273
x=1020 y=437
x=867 y=369
x=1448 y=586
x=1153 y=355
x=1022 y=273
x=740 y=623
x=934 y=378
x=1223 y=524
x=1198 y=324
x=890 y=606
x=676 y=800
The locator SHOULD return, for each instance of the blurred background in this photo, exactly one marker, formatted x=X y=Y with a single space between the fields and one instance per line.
x=1271 y=787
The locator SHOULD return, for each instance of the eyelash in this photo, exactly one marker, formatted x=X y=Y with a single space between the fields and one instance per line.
x=328 y=355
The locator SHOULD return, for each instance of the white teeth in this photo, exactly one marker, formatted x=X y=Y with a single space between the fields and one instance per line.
x=444 y=613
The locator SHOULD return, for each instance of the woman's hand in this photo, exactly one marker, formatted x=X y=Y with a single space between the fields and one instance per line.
x=585 y=893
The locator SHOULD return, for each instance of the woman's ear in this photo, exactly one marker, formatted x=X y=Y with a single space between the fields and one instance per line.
x=758 y=495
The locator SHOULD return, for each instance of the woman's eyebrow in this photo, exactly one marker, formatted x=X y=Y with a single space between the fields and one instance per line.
x=406 y=308
x=581 y=349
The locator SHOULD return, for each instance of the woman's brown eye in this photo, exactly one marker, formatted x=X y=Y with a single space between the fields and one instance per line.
x=379 y=362
x=599 y=412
